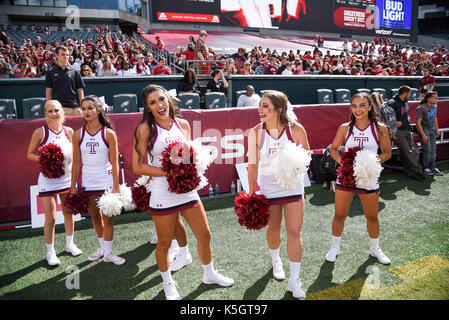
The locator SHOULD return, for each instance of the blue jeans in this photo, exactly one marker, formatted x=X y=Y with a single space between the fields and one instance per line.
x=429 y=150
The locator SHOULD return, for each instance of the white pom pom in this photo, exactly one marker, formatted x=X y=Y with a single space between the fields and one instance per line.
x=204 y=182
x=367 y=168
x=127 y=198
x=143 y=180
x=110 y=204
x=289 y=165
x=204 y=157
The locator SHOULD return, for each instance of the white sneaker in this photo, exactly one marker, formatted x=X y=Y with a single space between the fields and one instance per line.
x=97 y=255
x=114 y=259
x=428 y=172
x=74 y=250
x=217 y=278
x=181 y=261
x=331 y=256
x=153 y=239
x=437 y=172
x=52 y=259
x=381 y=257
x=170 y=291
x=278 y=270
x=294 y=286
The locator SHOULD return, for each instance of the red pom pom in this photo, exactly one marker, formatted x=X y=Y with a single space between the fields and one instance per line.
x=178 y=162
x=252 y=211
x=51 y=160
x=78 y=202
x=141 y=197
x=345 y=172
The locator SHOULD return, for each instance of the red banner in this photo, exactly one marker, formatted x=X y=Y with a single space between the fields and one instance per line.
x=224 y=131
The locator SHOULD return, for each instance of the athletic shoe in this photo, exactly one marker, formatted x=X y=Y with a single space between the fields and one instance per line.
x=294 y=286
x=381 y=257
x=181 y=261
x=428 y=172
x=170 y=291
x=114 y=259
x=217 y=278
x=278 y=270
x=73 y=249
x=97 y=255
x=52 y=259
x=153 y=239
x=331 y=256
x=437 y=172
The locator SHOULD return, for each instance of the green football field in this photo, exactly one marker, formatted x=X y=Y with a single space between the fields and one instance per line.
x=414 y=218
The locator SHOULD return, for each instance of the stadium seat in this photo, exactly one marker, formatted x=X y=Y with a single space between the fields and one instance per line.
x=33 y=108
x=368 y=91
x=393 y=92
x=238 y=94
x=123 y=103
x=214 y=100
x=8 y=109
x=342 y=95
x=414 y=95
x=324 y=96
x=189 y=100
x=382 y=92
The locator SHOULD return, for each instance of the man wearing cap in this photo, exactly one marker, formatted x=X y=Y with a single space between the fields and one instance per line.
x=340 y=71
x=250 y=99
x=159 y=46
x=202 y=52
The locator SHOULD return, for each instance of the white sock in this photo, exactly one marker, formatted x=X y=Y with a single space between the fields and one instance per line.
x=174 y=244
x=68 y=240
x=335 y=241
x=101 y=240
x=209 y=268
x=374 y=243
x=166 y=276
x=184 y=250
x=50 y=247
x=107 y=247
x=295 y=267
x=275 y=254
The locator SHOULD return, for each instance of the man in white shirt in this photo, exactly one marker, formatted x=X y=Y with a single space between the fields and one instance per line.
x=250 y=99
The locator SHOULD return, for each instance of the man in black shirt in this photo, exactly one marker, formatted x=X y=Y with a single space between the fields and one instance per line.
x=63 y=83
x=218 y=82
x=409 y=154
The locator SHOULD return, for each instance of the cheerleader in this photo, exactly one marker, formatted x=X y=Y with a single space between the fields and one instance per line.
x=159 y=127
x=268 y=137
x=362 y=131
x=95 y=146
x=56 y=133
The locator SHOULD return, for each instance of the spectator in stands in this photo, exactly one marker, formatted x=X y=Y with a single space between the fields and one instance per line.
x=107 y=69
x=427 y=125
x=161 y=69
x=159 y=47
x=232 y=68
x=86 y=71
x=409 y=154
x=202 y=52
x=326 y=69
x=239 y=59
x=247 y=68
x=272 y=68
x=5 y=70
x=288 y=69
x=42 y=70
x=283 y=65
x=190 y=52
x=140 y=67
x=437 y=72
x=218 y=82
x=427 y=83
x=189 y=83
x=340 y=71
x=63 y=83
x=126 y=70
x=250 y=99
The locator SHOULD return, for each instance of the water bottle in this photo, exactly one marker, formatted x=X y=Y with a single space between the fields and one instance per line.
x=232 y=187
x=239 y=186
x=211 y=191
x=217 y=189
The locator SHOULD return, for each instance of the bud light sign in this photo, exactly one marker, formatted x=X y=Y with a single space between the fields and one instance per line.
x=395 y=14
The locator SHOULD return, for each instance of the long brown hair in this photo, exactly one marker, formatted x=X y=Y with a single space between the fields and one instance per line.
x=102 y=116
x=148 y=117
x=371 y=114
x=427 y=96
x=279 y=101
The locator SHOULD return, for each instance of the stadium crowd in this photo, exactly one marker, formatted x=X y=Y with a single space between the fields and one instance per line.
x=115 y=55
